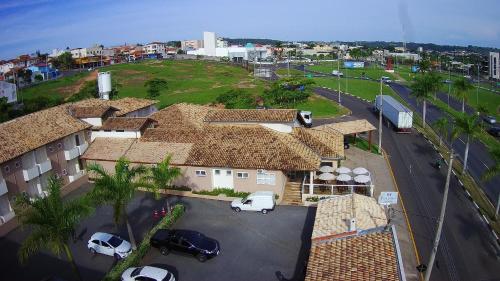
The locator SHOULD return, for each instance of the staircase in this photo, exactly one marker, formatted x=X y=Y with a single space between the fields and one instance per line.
x=292 y=194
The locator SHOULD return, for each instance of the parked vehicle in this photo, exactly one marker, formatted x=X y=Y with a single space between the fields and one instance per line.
x=386 y=79
x=490 y=119
x=337 y=73
x=260 y=201
x=494 y=131
x=147 y=273
x=305 y=118
x=109 y=244
x=187 y=241
x=399 y=115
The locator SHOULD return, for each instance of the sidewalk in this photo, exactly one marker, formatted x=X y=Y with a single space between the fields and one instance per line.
x=383 y=180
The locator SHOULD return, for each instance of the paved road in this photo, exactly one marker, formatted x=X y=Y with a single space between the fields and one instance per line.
x=468 y=251
x=479 y=158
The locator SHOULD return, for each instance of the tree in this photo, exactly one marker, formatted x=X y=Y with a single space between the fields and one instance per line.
x=442 y=128
x=470 y=127
x=422 y=87
x=154 y=86
x=161 y=176
x=288 y=92
x=462 y=87
x=53 y=222
x=495 y=169
x=236 y=98
x=117 y=189
x=64 y=61
x=38 y=78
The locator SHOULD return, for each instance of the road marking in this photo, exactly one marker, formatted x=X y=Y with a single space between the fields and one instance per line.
x=417 y=256
x=477 y=207
x=494 y=234
x=461 y=183
x=453 y=171
x=468 y=194
x=485 y=219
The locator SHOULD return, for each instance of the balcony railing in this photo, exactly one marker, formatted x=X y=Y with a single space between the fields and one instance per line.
x=82 y=148
x=30 y=173
x=76 y=176
x=71 y=153
x=44 y=167
x=3 y=187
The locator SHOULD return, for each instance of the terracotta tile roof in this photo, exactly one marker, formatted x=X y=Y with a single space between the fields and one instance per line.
x=182 y=115
x=124 y=106
x=111 y=149
x=31 y=131
x=173 y=134
x=126 y=123
x=348 y=127
x=325 y=144
x=252 y=115
x=368 y=257
x=333 y=215
x=90 y=111
x=251 y=146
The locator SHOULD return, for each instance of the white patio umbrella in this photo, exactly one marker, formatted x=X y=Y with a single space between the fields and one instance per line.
x=326 y=169
x=362 y=179
x=344 y=177
x=326 y=176
x=343 y=170
x=360 y=171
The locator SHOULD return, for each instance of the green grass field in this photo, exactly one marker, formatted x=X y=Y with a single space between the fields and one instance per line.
x=293 y=72
x=198 y=82
x=373 y=72
x=361 y=88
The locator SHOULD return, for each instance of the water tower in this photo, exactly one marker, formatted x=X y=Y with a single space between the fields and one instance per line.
x=104 y=83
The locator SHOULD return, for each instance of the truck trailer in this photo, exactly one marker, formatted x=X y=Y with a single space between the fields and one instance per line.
x=399 y=115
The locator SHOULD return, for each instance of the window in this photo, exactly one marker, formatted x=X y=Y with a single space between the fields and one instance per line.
x=120 y=131
x=18 y=164
x=64 y=172
x=217 y=172
x=266 y=178
x=242 y=175
x=201 y=173
x=228 y=173
x=7 y=169
x=77 y=140
x=59 y=145
x=51 y=148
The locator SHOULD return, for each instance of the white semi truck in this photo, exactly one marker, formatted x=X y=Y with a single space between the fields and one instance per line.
x=399 y=115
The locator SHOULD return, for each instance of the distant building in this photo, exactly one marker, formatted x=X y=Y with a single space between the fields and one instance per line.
x=47 y=72
x=9 y=91
x=155 y=49
x=494 y=65
x=191 y=44
x=408 y=56
x=209 y=43
x=221 y=43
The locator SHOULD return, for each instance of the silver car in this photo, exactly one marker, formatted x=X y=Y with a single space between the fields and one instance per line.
x=110 y=245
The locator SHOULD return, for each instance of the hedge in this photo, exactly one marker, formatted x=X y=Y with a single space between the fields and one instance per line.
x=135 y=258
x=226 y=191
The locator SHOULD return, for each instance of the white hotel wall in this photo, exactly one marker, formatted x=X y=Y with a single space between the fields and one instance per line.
x=114 y=134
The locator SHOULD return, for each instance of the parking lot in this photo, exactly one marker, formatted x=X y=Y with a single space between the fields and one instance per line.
x=253 y=246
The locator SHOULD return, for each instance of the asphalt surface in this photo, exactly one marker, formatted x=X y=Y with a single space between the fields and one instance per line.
x=253 y=246
x=468 y=250
x=479 y=159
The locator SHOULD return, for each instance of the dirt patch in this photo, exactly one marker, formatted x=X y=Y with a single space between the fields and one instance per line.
x=245 y=84
x=130 y=72
x=75 y=88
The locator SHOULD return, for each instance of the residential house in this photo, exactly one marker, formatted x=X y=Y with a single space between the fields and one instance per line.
x=155 y=50
x=352 y=242
x=191 y=44
x=46 y=71
x=51 y=142
x=246 y=150
x=9 y=91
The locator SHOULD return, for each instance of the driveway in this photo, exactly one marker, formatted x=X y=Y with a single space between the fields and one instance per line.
x=253 y=246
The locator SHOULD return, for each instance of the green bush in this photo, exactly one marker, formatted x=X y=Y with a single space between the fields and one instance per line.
x=179 y=188
x=227 y=191
x=135 y=258
x=236 y=98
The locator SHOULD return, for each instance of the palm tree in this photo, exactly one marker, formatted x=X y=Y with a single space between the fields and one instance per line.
x=495 y=169
x=469 y=126
x=117 y=189
x=52 y=221
x=161 y=177
x=442 y=128
x=422 y=87
x=462 y=87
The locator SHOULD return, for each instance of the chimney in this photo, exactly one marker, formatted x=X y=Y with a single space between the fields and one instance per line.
x=352 y=225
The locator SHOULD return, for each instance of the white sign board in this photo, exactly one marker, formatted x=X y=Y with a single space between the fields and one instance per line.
x=388 y=198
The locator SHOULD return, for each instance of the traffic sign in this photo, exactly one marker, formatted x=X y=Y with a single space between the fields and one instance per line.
x=388 y=198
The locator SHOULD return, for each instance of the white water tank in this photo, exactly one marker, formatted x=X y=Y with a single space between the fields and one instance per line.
x=104 y=83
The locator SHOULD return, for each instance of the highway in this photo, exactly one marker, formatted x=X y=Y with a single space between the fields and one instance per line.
x=468 y=250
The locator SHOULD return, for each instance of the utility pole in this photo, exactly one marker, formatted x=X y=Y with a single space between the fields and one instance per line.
x=477 y=88
x=288 y=63
x=498 y=207
x=449 y=84
x=380 y=119
x=338 y=74
x=440 y=221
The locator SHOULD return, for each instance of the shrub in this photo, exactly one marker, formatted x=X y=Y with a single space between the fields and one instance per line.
x=236 y=98
x=135 y=258
x=226 y=191
x=179 y=188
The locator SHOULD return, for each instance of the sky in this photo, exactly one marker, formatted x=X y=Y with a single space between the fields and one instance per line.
x=30 y=25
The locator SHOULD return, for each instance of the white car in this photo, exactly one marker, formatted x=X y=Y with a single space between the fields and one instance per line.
x=260 y=201
x=147 y=273
x=110 y=245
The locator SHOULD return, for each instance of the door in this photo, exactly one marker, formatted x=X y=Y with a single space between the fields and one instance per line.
x=222 y=178
x=107 y=249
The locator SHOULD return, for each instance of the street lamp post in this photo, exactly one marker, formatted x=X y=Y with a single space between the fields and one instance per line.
x=338 y=75
x=380 y=119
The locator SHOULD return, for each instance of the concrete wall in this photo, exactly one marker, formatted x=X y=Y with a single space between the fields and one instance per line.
x=93 y=121
x=143 y=112
x=8 y=90
x=209 y=43
x=115 y=134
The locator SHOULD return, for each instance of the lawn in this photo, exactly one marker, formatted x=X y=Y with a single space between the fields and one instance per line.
x=362 y=88
x=60 y=87
x=373 y=71
x=322 y=107
x=293 y=72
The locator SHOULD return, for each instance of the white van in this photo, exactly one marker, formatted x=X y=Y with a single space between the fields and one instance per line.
x=260 y=201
